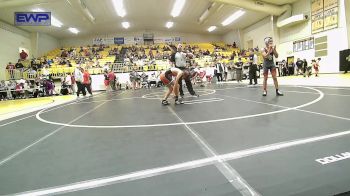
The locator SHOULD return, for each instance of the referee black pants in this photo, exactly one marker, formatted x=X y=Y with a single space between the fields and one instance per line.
x=81 y=88
x=188 y=84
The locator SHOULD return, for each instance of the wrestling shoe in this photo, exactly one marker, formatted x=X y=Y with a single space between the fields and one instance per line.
x=264 y=93
x=179 y=101
x=165 y=102
x=278 y=93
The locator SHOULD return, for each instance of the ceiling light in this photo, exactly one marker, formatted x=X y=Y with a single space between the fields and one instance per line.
x=212 y=28
x=54 y=21
x=126 y=25
x=178 y=5
x=119 y=7
x=73 y=30
x=233 y=17
x=169 y=25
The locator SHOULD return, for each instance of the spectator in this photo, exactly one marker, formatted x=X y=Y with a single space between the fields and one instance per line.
x=19 y=93
x=234 y=45
x=23 y=55
x=86 y=81
x=219 y=70
x=284 y=68
x=27 y=89
x=106 y=80
x=253 y=68
x=73 y=83
x=19 y=66
x=316 y=66
x=112 y=80
x=68 y=83
x=11 y=87
x=239 y=68
x=225 y=73
x=134 y=79
x=299 y=66
x=3 y=90
x=290 y=69
x=11 y=70
x=305 y=70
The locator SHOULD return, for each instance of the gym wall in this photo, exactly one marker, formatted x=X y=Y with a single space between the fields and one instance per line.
x=337 y=39
x=12 y=39
x=257 y=32
x=233 y=36
x=185 y=37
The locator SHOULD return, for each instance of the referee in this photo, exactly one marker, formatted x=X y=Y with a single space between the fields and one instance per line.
x=179 y=58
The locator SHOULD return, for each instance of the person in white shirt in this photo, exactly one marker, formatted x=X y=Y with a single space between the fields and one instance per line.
x=78 y=75
x=68 y=82
x=179 y=59
x=219 y=70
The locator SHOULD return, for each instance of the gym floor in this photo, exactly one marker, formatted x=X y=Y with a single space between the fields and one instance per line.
x=229 y=141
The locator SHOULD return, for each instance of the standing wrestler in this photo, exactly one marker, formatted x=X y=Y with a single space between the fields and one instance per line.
x=269 y=53
x=170 y=79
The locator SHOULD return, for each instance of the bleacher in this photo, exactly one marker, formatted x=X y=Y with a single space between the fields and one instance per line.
x=57 y=71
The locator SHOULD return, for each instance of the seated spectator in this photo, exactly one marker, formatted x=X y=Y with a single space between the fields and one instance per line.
x=19 y=93
x=68 y=83
x=23 y=55
x=28 y=88
x=3 y=90
x=49 y=87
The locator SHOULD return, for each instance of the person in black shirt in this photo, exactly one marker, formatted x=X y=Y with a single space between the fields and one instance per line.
x=19 y=66
x=239 y=68
x=299 y=65
x=253 y=68
x=305 y=71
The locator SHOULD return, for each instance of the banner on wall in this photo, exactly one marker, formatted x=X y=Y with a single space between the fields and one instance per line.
x=317 y=23
x=138 y=40
x=166 y=40
x=129 y=40
x=328 y=4
x=133 y=40
x=106 y=41
x=97 y=41
x=316 y=6
x=331 y=18
x=324 y=15
x=119 y=40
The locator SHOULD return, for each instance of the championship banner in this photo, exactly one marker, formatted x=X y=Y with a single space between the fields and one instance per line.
x=328 y=4
x=331 y=18
x=317 y=23
x=316 y=7
x=324 y=15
